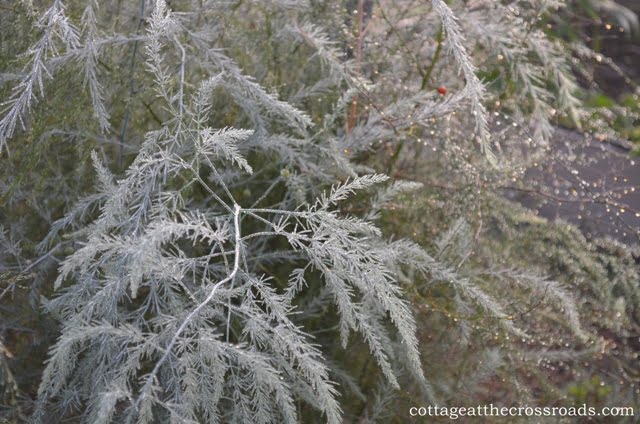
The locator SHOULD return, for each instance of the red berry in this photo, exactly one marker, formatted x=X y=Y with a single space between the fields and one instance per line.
x=442 y=90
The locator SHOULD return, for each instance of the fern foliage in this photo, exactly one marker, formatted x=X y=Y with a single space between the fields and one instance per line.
x=235 y=232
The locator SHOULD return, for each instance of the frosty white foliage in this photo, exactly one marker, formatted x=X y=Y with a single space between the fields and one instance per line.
x=194 y=276
x=386 y=196
x=448 y=267
x=90 y=58
x=474 y=89
x=56 y=29
x=167 y=312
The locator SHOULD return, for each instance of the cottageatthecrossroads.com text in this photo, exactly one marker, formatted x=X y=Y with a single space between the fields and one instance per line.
x=454 y=413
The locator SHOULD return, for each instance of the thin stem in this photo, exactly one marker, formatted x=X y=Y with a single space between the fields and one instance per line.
x=436 y=56
x=181 y=88
x=132 y=70
x=267 y=191
x=194 y=313
x=351 y=119
x=426 y=76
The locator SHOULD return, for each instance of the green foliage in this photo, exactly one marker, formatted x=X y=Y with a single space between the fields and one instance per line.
x=197 y=228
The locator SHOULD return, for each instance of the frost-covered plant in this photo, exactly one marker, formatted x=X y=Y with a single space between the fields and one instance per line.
x=233 y=262
x=180 y=287
x=171 y=312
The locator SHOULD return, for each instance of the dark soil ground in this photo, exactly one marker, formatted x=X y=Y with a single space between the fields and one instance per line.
x=596 y=183
x=590 y=183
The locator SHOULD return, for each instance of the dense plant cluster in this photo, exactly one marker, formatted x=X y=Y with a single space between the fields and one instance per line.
x=291 y=211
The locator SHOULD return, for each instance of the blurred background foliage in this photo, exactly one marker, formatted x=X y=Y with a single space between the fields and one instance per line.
x=612 y=72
